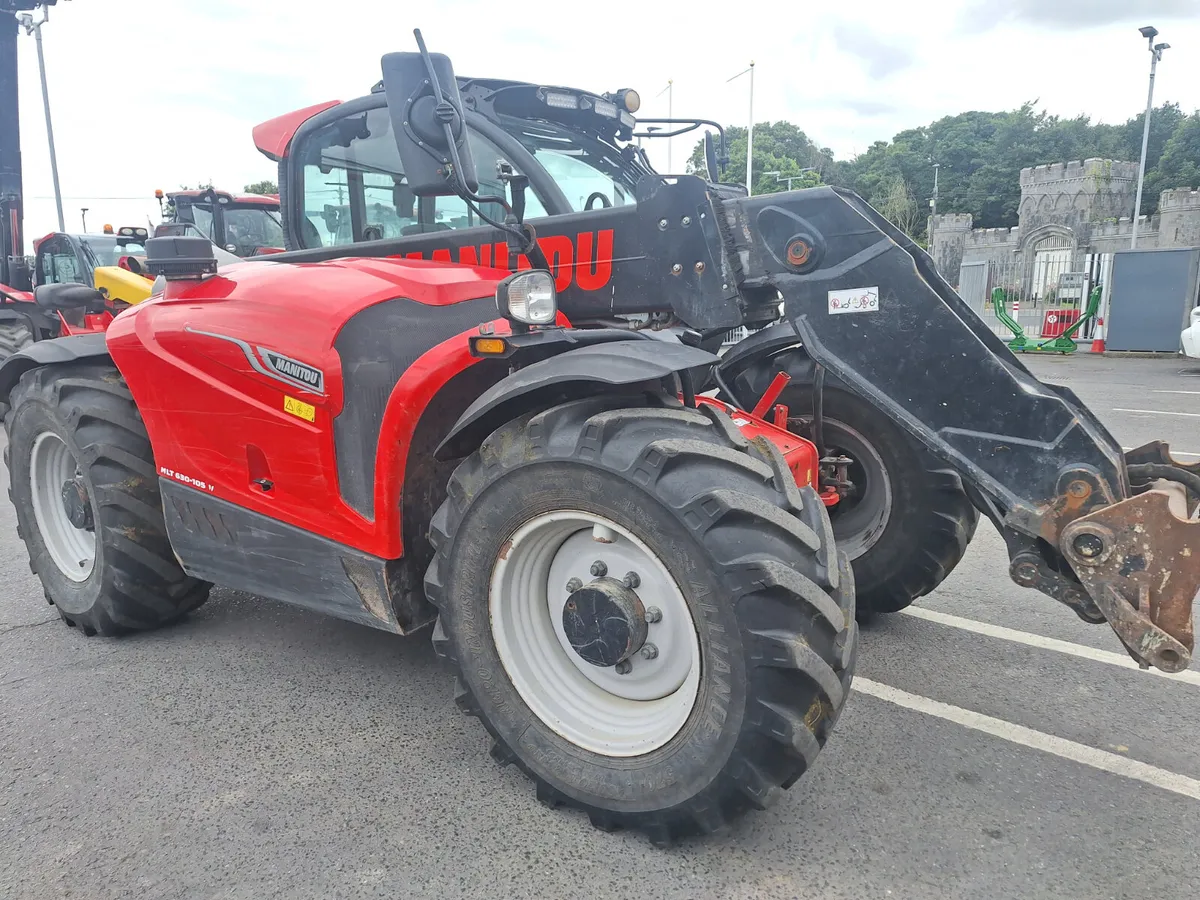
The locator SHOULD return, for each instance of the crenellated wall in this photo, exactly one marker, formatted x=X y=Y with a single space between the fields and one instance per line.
x=1082 y=206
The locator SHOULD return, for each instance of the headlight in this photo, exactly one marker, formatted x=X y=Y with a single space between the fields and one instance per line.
x=528 y=297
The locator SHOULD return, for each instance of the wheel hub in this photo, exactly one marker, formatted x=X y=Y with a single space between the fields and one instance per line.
x=605 y=622
x=76 y=504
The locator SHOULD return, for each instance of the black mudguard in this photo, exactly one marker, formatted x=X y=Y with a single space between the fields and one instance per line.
x=43 y=353
x=572 y=374
x=40 y=323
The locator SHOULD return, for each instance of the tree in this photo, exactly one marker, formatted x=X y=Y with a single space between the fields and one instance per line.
x=899 y=206
x=1179 y=165
x=778 y=147
x=262 y=187
x=980 y=157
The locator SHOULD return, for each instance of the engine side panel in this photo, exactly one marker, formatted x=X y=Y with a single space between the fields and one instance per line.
x=240 y=383
x=377 y=347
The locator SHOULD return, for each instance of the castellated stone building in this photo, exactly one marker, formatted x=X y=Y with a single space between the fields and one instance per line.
x=1068 y=212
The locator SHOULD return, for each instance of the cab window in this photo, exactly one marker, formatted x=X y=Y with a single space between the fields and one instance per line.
x=355 y=189
x=60 y=265
x=591 y=173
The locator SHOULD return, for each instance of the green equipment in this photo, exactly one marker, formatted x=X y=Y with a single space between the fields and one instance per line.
x=1064 y=343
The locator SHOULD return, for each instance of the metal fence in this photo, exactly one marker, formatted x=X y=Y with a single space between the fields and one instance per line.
x=1044 y=293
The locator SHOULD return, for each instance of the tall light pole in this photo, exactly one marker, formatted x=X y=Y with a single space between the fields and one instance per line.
x=669 y=90
x=1156 y=52
x=35 y=28
x=781 y=178
x=749 y=130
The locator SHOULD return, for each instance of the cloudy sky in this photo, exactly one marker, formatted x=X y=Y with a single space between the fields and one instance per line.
x=159 y=93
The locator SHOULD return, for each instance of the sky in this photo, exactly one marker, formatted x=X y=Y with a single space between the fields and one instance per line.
x=150 y=94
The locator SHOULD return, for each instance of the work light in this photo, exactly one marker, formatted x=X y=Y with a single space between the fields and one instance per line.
x=528 y=297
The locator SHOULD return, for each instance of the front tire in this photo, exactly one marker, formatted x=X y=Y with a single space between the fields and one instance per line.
x=15 y=336
x=910 y=523
x=757 y=634
x=83 y=482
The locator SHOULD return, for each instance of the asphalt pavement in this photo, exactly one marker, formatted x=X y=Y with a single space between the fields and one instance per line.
x=261 y=751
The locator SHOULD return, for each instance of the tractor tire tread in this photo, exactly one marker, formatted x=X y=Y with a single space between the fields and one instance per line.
x=799 y=669
x=142 y=584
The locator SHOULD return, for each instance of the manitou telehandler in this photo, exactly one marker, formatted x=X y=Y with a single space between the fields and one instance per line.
x=902 y=516
x=637 y=585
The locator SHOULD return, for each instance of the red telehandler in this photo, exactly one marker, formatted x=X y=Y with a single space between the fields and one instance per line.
x=903 y=516
x=637 y=586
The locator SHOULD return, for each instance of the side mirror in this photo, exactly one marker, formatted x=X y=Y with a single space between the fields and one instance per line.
x=423 y=99
x=710 y=158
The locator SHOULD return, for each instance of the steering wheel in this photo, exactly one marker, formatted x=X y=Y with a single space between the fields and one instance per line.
x=596 y=195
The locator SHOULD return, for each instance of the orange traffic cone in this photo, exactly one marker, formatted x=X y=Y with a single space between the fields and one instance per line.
x=1098 y=337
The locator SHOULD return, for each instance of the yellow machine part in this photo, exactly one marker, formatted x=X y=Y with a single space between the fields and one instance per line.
x=122 y=286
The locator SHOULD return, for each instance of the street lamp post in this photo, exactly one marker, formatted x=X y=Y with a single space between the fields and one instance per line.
x=669 y=90
x=35 y=28
x=749 y=129
x=1156 y=52
x=781 y=178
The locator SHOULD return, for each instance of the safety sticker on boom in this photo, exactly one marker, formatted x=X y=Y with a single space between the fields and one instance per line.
x=854 y=300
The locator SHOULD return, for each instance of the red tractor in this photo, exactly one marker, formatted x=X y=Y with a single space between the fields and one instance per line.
x=637 y=586
x=242 y=224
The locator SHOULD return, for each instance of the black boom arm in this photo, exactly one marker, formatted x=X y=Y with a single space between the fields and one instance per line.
x=868 y=304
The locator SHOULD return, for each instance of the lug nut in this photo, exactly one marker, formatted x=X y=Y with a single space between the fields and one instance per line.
x=1088 y=546
x=676 y=269
x=649 y=651
x=632 y=580
x=599 y=569
x=662 y=224
x=573 y=585
x=686 y=221
x=653 y=614
x=699 y=267
x=624 y=667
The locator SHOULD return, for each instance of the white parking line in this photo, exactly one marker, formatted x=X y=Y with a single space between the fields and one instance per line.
x=1157 y=412
x=1045 y=643
x=1036 y=740
x=1195 y=393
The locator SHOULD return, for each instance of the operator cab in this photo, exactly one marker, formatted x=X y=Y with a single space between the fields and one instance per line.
x=241 y=224
x=62 y=258
x=576 y=149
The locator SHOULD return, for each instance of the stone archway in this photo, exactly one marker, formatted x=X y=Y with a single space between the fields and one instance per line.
x=1046 y=252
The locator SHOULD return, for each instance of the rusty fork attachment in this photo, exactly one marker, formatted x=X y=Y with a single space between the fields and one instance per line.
x=1139 y=558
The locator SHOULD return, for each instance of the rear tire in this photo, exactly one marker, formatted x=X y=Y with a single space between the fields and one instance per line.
x=750 y=556
x=926 y=522
x=14 y=337
x=116 y=573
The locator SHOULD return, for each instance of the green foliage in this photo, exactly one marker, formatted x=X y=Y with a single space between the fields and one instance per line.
x=980 y=154
x=262 y=187
x=1179 y=165
x=778 y=147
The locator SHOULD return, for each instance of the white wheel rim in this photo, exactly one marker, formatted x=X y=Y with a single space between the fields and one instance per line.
x=594 y=708
x=50 y=466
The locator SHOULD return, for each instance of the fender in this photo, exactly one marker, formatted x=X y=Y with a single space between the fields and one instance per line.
x=747 y=369
x=572 y=373
x=40 y=323
x=45 y=353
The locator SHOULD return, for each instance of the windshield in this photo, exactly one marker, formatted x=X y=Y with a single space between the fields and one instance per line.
x=591 y=173
x=249 y=228
x=106 y=251
x=355 y=188
x=246 y=228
